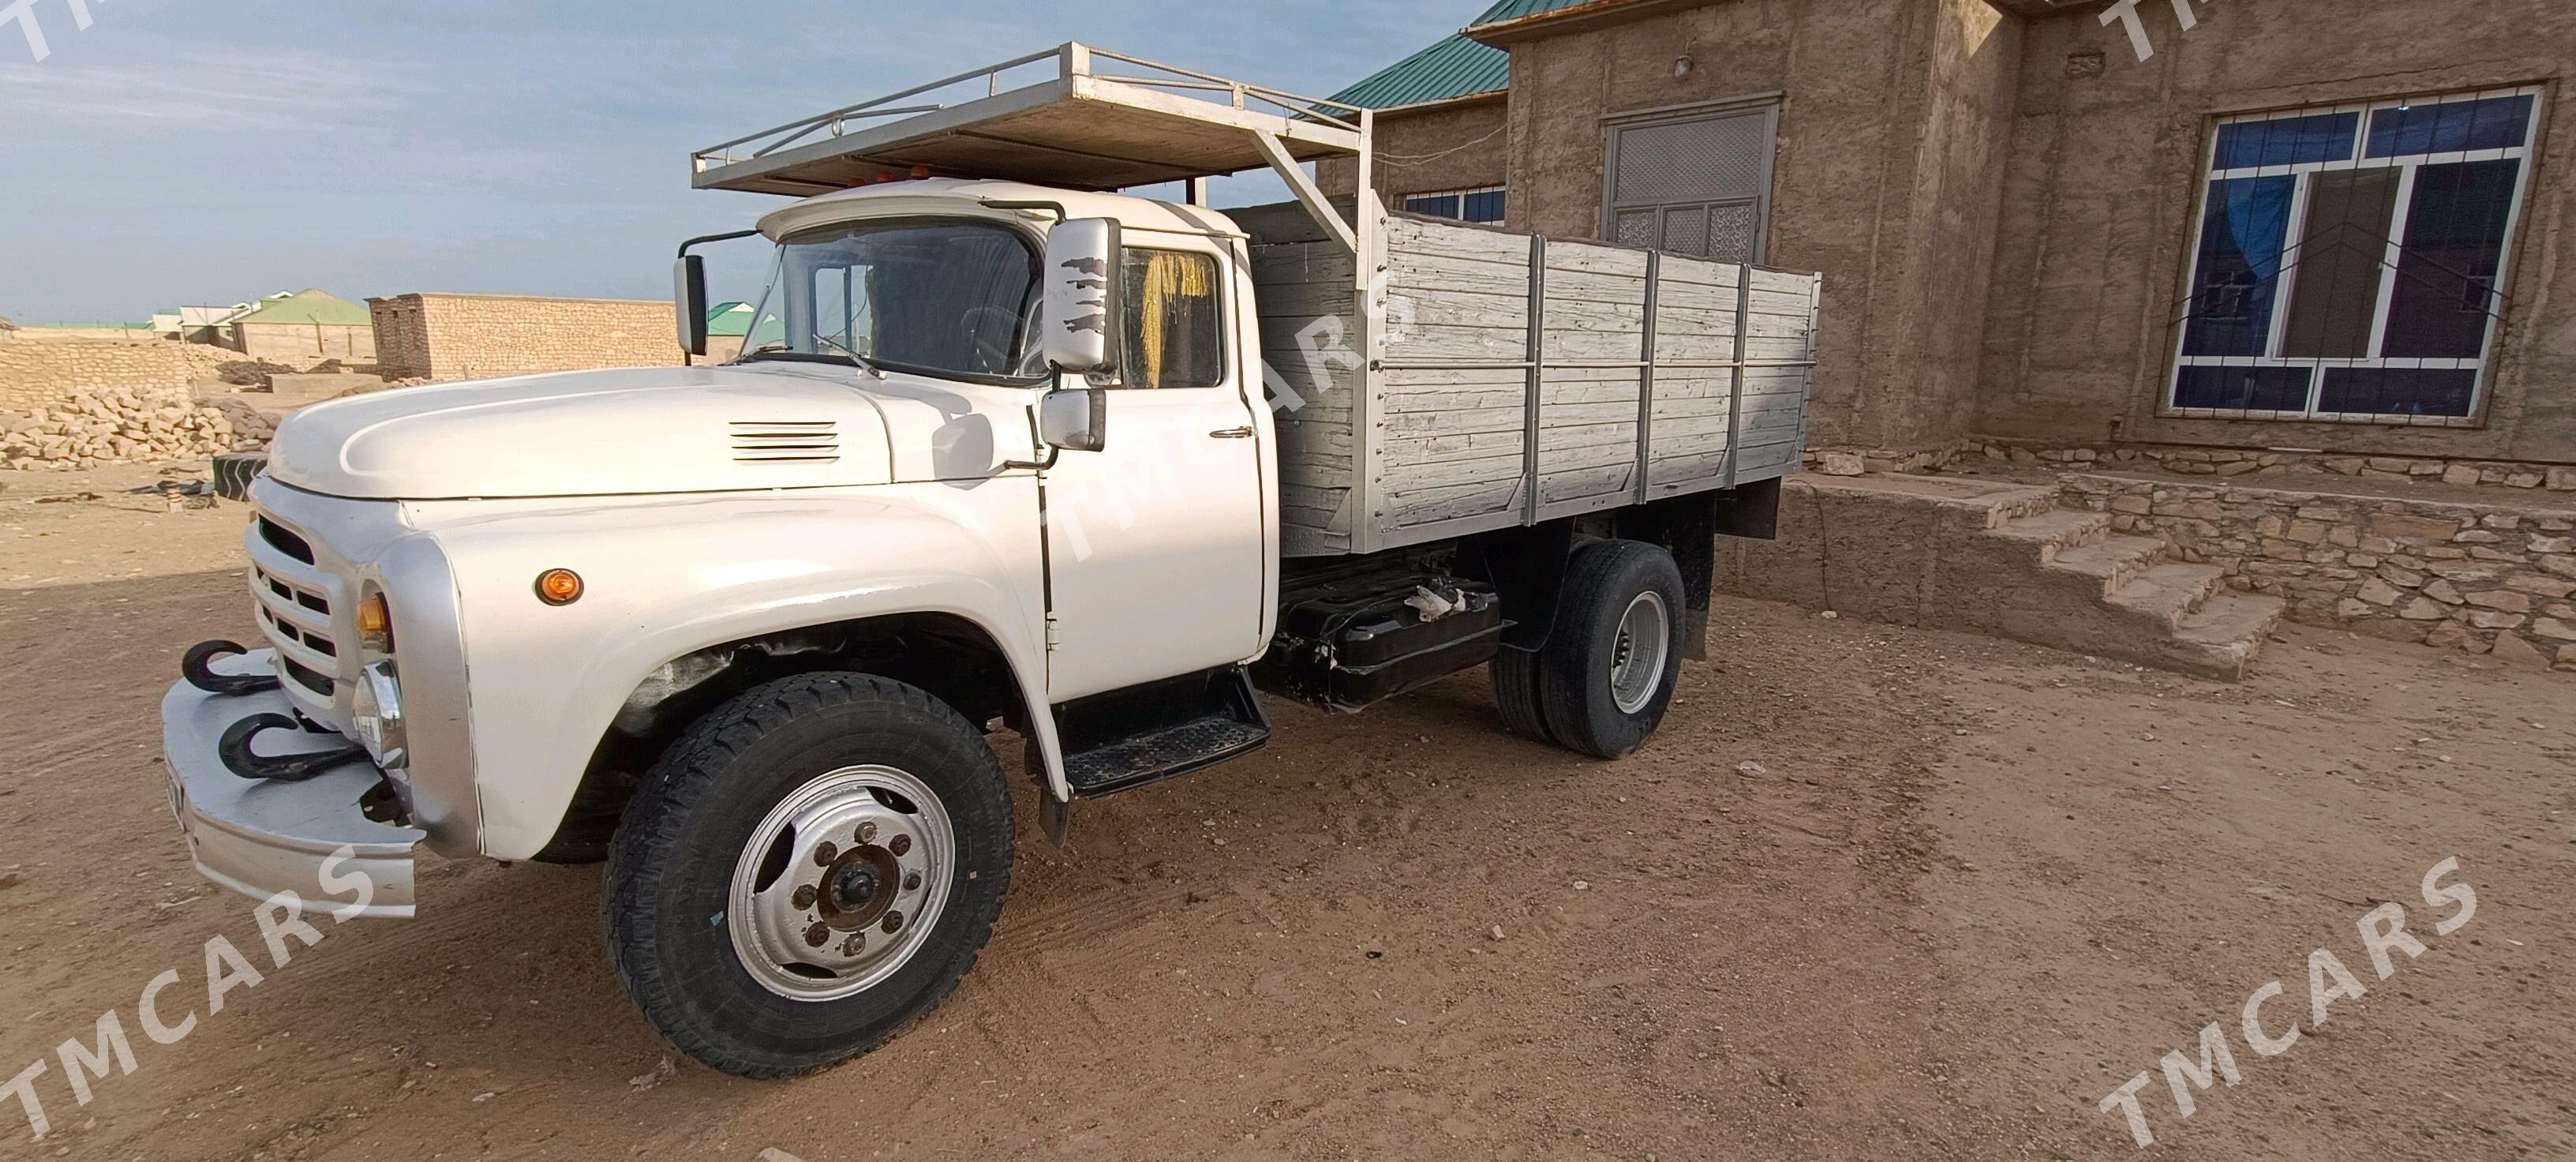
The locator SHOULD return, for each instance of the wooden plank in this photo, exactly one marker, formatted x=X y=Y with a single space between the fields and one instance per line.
x=1626 y=290
x=1577 y=255
x=1415 y=236
x=1443 y=344
x=1801 y=285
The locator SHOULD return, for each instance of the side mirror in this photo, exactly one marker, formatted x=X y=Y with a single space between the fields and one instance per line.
x=1074 y=418
x=689 y=300
x=1081 y=315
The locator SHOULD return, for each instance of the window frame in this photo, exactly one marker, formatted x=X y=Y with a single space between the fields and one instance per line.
x=2294 y=231
x=1405 y=203
x=1615 y=126
x=1227 y=372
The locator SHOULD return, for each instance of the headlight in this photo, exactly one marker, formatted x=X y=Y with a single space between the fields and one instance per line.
x=376 y=714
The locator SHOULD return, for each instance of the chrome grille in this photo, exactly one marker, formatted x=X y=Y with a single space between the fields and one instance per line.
x=295 y=602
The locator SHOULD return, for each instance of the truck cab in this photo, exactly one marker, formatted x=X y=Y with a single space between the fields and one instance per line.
x=997 y=459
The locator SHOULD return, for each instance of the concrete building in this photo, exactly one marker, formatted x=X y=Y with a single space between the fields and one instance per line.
x=2300 y=224
x=446 y=336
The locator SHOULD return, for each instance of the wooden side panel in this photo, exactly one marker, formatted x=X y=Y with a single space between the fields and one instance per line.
x=1454 y=395
x=1695 y=306
x=1308 y=317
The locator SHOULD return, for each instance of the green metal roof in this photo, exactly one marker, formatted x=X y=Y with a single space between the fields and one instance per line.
x=729 y=319
x=1453 y=67
x=310 y=305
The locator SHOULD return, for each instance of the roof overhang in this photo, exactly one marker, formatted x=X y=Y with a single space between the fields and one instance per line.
x=1461 y=101
x=1603 y=13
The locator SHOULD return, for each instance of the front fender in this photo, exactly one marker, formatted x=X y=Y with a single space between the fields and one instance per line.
x=668 y=577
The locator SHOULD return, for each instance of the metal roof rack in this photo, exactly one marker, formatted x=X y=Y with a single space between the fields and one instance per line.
x=1070 y=125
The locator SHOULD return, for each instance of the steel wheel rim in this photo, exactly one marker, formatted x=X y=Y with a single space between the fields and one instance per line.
x=868 y=854
x=1637 y=653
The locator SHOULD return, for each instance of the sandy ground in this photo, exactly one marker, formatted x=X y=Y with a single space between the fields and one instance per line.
x=1973 y=887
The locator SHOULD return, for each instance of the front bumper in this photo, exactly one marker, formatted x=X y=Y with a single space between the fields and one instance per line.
x=263 y=837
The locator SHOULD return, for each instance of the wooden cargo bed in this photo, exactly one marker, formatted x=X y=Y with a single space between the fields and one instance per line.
x=1493 y=378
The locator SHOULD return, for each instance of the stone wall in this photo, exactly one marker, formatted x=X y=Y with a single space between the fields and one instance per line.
x=37 y=374
x=303 y=344
x=2269 y=467
x=2486 y=578
x=449 y=337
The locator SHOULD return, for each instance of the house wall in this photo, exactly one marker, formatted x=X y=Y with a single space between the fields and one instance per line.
x=298 y=344
x=1894 y=117
x=2104 y=172
x=38 y=374
x=439 y=336
x=1458 y=147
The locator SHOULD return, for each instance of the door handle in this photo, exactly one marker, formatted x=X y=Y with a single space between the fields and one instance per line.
x=1242 y=433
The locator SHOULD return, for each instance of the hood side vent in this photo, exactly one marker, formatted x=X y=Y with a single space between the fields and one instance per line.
x=785 y=441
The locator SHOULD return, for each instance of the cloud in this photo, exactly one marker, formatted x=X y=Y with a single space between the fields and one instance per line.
x=198 y=91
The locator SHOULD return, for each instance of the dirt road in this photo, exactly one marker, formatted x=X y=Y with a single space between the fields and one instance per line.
x=1970 y=889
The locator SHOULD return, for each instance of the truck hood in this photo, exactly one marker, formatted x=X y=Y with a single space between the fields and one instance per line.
x=652 y=430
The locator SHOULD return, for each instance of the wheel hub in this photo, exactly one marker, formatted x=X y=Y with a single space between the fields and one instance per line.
x=1637 y=655
x=839 y=885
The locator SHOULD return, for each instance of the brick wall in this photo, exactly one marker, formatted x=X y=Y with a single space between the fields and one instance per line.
x=441 y=336
x=35 y=374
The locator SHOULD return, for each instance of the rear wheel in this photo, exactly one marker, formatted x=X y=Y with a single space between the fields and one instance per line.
x=1516 y=691
x=808 y=869
x=1607 y=673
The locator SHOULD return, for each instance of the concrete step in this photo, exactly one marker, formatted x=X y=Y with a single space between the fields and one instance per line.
x=2164 y=595
x=2115 y=560
x=2220 y=639
x=2051 y=533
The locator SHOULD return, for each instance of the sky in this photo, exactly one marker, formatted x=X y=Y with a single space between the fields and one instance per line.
x=209 y=151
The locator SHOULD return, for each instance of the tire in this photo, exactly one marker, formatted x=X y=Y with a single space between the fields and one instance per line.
x=1516 y=685
x=706 y=933
x=1593 y=704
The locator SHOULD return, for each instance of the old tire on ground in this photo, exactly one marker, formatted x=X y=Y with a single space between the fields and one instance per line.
x=1516 y=685
x=1607 y=673
x=808 y=869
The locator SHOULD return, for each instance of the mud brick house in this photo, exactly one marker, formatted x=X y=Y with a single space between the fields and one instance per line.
x=2179 y=251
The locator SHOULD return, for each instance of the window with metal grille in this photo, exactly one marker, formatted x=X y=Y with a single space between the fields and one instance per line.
x=1484 y=204
x=2348 y=259
x=1693 y=181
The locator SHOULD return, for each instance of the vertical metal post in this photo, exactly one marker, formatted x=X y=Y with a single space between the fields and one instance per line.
x=1194 y=191
x=1807 y=397
x=1735 y=385
x=1646 y=377
x=1536 y=352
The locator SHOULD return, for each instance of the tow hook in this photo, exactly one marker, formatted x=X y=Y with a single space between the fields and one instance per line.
x=193 y=667
x=234 y=748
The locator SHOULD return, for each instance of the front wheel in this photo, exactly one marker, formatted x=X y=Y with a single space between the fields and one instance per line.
x=808 y=869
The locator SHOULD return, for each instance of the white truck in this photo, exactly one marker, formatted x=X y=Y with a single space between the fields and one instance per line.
x=1004 y=449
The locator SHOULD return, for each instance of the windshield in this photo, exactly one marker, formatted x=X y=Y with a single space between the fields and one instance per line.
x=947 y=298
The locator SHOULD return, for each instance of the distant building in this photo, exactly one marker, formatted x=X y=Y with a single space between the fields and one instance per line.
x=449 y=336
x=308 y=325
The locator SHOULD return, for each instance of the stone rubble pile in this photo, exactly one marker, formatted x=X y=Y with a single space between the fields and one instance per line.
x=121 y=425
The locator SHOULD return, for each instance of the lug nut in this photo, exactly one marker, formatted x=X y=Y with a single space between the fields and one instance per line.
x=851 y=946
x=805 y=896
x=899 y=844
x=826 y=853
x=816 y=934
x=867 y=833
x=893 y=920
x=911 y=880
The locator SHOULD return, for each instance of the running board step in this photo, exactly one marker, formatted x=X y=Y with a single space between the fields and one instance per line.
x=1128 y=738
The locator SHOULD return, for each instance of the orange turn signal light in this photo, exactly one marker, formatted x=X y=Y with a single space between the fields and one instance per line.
x=558 y=587
x=376 y=624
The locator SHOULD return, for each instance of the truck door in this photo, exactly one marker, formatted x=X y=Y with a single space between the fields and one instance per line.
x=1155 y=542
